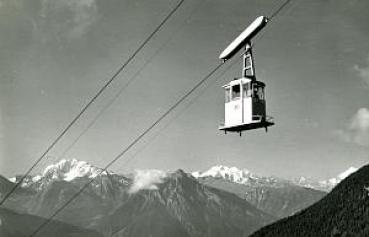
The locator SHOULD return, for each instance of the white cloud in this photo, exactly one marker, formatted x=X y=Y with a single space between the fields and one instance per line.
x=357 y=131
x=363 y=73
x=360 y=122
x=147 y=179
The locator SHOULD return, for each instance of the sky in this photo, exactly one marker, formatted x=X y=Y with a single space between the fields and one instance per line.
x=55 y=55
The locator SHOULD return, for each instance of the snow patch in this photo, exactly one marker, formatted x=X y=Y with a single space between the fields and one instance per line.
x=13 y=179
x=147 y=179
x=243 y=176
x=68 y=170
x=325 y=185
x=233 y=174
x=36 y=178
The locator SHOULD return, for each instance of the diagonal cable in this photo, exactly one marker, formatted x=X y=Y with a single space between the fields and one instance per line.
x=192 y=101
x=277 y=11
x=124 y=87
x=147 y=130
x=135 y=141
x=106 y=85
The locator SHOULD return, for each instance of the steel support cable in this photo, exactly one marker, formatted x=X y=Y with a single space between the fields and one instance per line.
x=92 y=100
x=132 y=79
x=172 y=120
x=199 y=95
x=276 y=12
x=185 y=108
x=123 y=88
x=134 y=142
x=137 y=139
x=188 y=105
x=180 y=112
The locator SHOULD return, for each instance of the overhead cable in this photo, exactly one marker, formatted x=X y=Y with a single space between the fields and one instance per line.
x=137 y=139
x=106 y=85
x=134 y=142
x=124 y=87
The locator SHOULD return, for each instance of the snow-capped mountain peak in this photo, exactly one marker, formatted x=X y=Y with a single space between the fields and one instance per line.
x=229 y=173
x=244 y=176
x=68 y=170
x=325 y=185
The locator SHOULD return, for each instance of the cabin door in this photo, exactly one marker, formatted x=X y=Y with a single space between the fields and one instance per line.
x=258 y=102
x=234 y=108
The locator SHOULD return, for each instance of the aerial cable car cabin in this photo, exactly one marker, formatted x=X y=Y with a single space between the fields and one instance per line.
x=245 y=104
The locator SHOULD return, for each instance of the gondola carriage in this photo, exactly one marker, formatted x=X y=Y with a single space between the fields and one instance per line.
x=245 y=102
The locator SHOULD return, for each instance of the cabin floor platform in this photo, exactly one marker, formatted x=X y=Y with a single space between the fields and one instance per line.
x=247 y=126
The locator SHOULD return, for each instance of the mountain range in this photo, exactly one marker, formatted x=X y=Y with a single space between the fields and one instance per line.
x=187 y=207
x=221 y=201
x=276 y=196
x=244 y=176
x=147 y=203
x=324 y=185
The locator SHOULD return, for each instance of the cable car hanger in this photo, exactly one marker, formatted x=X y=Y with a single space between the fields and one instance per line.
x=245 y=103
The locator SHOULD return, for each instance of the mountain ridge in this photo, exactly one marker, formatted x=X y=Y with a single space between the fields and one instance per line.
x=243 y=176
x=201 y=210
x=275 y=196
x=228 y=195
x=174 y=197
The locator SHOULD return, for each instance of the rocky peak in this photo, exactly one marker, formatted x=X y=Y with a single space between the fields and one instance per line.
x=68 y=170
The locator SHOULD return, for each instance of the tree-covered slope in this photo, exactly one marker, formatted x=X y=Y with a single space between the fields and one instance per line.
x=343 y=212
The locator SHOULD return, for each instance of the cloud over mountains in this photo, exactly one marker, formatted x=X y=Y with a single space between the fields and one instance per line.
x=357 y=131
x=147 y=179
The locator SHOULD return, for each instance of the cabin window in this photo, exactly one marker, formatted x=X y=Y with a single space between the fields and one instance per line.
x=261 y=93
x=258 y=92
x=236 y=92
x=246 y=90
x=227 y=94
